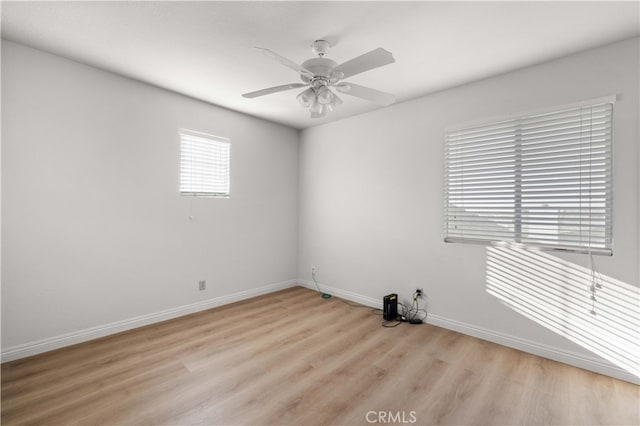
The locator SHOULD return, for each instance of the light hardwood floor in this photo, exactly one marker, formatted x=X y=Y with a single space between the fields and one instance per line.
x=292 y=357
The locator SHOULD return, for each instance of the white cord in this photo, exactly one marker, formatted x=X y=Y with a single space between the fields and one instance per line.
x=313 y=277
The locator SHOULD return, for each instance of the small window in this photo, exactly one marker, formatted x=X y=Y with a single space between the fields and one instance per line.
x=204 y=165
x=541 y=180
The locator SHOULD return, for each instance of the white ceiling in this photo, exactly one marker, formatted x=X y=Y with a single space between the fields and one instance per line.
x=204 y=49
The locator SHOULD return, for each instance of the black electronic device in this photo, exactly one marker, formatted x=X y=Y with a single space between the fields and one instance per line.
x=390 y=307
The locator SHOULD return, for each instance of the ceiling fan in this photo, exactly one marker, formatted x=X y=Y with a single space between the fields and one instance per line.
x=321 y=74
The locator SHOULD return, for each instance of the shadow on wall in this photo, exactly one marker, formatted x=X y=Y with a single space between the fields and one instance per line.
x=593 y=310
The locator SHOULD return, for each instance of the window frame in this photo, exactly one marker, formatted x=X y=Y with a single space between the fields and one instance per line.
x=518 y=222
x=216 y=140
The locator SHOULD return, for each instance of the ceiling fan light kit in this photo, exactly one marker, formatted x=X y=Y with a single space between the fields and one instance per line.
x=320 y=74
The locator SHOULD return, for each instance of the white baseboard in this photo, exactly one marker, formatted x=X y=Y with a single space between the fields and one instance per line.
x=60 y=341
x=354 y=297
x=535 y=348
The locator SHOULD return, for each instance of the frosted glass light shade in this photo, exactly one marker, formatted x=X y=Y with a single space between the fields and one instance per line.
x=307 y=98
x=324 y=95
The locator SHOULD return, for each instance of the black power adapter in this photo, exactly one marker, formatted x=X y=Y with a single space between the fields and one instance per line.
x=390 y=307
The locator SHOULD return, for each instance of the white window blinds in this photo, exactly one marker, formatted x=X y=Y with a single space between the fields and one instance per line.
x=542 y=180
x=204 y=165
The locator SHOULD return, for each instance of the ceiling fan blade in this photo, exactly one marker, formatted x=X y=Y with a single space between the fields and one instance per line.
x=367 y=93
x=284 y=61
x=275 y=89
x=374 y=59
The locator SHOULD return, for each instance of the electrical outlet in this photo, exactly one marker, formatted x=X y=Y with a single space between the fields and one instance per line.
x=313 y=269
x=418 y=292
x=202 y=285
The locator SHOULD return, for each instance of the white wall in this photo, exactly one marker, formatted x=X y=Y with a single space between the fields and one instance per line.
x=371 y=192
x=93 y=228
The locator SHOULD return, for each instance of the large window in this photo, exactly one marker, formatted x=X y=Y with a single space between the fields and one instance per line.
x=204 y=165
x=541 y=179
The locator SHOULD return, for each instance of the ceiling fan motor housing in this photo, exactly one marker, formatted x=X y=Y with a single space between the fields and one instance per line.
x=320 y=67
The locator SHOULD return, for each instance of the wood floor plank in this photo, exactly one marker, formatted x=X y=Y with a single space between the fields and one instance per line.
x=293 y=358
